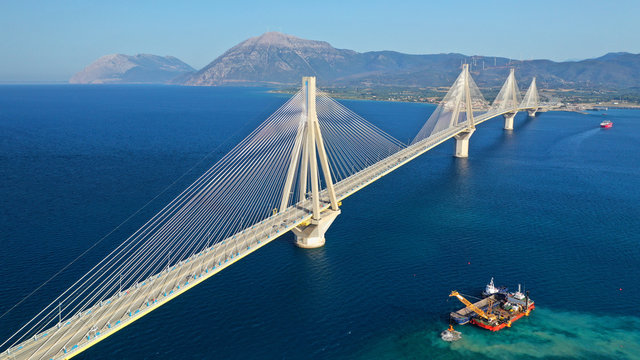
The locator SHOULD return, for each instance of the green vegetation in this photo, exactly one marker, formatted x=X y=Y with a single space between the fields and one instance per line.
x=426 y=95
x=629 y=97
x=581 y=96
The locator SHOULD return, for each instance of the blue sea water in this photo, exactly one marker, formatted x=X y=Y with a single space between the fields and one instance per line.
x=553 y=205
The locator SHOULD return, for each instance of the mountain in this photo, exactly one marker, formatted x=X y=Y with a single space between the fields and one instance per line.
x=611 y=71
x=279 y=59
x=275 y=58
x=139 y=69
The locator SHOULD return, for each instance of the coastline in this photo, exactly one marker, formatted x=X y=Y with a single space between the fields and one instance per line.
x=579 y=107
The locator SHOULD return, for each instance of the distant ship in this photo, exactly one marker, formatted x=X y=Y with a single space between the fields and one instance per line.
x=606 y=124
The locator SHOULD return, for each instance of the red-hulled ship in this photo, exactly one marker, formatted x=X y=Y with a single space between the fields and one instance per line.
x=606 y=124
x=499 y=308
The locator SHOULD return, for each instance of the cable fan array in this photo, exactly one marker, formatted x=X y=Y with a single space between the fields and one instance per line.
x=241 y=189
x=531 y=98
x=352 y=143
x=508 y=98
x=451 y=112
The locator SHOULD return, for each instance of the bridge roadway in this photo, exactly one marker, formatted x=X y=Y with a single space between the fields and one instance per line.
x=108 y=316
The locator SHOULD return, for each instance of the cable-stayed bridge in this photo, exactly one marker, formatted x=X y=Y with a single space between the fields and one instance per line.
x=290 y=174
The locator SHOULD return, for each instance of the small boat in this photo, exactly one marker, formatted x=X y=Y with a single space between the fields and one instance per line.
x=451 y=335
x=491 y=289
x=606 y=124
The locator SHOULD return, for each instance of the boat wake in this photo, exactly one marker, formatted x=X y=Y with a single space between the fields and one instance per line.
x=570 y=146
x=450 y=335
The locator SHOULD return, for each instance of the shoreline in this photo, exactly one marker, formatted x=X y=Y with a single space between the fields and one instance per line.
x=579 y=107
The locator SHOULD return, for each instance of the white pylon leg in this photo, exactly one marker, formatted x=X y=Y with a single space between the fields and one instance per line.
x=532 y=113
x=462 y=139
x=310 y=144
x=313 y=170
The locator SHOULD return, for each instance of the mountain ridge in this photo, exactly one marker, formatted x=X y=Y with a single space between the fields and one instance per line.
x=276 y=59
x=280 y=59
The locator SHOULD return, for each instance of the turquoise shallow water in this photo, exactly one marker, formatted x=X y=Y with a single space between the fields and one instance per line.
x=553 y=205
x=549 y=335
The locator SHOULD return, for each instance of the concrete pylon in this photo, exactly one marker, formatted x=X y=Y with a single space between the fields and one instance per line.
x=462 y=143
x=308 y=148
x=508 y=100
x=462 y=139
x=508 y=120
x=312 y=235
x=531 y=99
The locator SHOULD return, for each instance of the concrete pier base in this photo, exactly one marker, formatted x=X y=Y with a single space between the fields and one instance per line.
x=312 y=235
x=462 y=143
x=508 y=120
x=532 y=113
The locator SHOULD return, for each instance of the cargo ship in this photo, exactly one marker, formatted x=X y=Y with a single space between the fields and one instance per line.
x=606 y=124
x=498 y=309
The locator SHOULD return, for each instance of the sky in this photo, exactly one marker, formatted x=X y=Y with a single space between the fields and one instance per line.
x=44 y=41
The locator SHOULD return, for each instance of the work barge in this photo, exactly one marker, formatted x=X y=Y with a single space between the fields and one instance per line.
x=498 y=308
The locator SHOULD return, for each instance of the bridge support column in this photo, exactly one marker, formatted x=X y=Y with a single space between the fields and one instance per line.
x=307 y=150
x=532 y=113
x=508 y=120
x=462 y=143
x=312 y=235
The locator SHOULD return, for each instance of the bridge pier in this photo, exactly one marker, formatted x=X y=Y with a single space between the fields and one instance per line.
x=532 y=112
x=462 y=143
x=312 y=235
x=310 y=145
x=508 y=120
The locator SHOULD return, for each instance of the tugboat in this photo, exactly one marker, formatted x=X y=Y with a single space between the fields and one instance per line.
x=496 y=311
x=606 y=124
x=450 y=334
x=491 y=289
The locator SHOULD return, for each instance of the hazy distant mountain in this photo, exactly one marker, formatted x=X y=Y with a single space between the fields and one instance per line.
x=611 y=71
x=279 y=59
x=140 y=69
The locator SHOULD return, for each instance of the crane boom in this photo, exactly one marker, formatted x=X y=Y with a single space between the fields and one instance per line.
x=475 y=309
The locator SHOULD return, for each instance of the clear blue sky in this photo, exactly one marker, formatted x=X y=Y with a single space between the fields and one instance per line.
x=51 y=40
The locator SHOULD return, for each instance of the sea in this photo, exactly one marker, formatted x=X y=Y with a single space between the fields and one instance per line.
x=553 y=205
